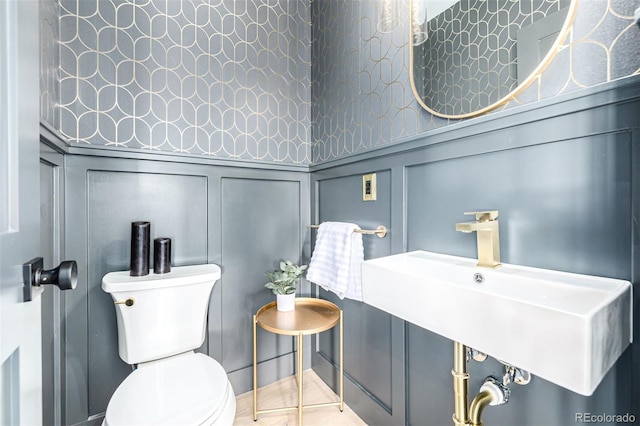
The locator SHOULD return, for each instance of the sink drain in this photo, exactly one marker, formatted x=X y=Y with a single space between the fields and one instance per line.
x=478 y=278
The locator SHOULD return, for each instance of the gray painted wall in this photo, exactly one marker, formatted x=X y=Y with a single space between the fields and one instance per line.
x=363 y=104
x=214 y=214
x=51 y=250
x=371 y=345
x=563 y=175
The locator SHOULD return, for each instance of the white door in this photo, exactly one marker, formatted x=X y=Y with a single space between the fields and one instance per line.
x=20 y=347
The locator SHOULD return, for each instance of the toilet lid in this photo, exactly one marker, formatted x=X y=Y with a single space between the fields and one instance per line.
x=185 y=390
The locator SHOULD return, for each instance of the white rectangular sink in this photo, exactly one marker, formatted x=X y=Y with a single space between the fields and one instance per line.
x=566 y=328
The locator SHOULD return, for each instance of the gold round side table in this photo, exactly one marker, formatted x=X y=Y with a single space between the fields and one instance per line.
x=310 y=316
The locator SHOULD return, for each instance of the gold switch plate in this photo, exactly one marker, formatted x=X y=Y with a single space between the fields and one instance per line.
x=369 y=187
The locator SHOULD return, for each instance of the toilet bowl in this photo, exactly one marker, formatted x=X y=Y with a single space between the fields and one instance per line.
x=172 y=385
x=190 y=389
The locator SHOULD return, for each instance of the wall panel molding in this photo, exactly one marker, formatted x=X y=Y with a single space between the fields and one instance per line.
x=189 y=203
x=564 y=158
x=59 y=143
x=373 y=339
x=52 y=198
x=602 y=100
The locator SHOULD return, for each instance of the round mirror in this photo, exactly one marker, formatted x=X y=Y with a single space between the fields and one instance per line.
x=471 y=56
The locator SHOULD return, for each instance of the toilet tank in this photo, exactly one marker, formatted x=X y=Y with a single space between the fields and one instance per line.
x=168 y=315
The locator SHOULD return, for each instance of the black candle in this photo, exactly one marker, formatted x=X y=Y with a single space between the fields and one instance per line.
x=162 y=255
x=140 y=235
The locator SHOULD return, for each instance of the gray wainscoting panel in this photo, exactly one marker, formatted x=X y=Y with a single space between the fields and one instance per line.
x=49 y=320
x=429 y=381
x=368 y=332
x=176 y=206
x=51 y=213
x=340 y=199
x=260 y=227
x=244 y=219
x=563 y=205
x=565 y=179
x=430 y=389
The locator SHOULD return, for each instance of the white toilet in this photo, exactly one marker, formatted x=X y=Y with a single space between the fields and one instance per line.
x=161 y=320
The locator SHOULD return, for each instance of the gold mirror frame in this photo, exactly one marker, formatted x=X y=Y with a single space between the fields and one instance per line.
x=553 y=51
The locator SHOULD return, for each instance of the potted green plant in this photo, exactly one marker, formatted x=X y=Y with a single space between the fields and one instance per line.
x=283 y=284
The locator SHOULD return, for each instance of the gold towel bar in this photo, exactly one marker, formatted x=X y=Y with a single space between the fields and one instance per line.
x=380 y=231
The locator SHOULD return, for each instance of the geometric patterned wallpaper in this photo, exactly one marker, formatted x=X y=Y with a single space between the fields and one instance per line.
x=361 y=93
x=468 y=61
x=49 y=63
x=361 y=97
x=221 y=78
x=270 y=80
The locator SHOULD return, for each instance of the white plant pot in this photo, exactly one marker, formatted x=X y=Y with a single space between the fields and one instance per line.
x=286 y=302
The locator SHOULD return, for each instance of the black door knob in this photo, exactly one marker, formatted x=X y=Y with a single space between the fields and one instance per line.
x=65 y=276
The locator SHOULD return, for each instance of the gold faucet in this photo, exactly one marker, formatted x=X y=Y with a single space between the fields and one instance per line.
x=487 y=230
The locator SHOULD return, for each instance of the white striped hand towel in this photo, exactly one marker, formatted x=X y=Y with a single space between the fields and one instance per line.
x=337 y=258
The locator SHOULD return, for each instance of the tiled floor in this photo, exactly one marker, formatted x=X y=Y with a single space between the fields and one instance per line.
x=284 y=393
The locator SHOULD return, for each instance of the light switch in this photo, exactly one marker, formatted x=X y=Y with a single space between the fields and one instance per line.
x=369 y=187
